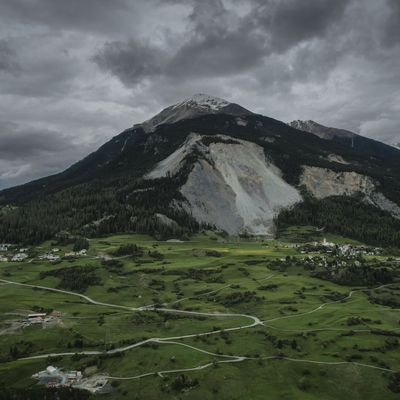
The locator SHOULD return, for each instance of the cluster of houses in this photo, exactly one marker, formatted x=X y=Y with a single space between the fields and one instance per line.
x=19 y=256
x=339 y=250
x=22 y=254
x=5 y=246
x=42 y=319
x=73 y=254
x=55 y=377
x=51 y=255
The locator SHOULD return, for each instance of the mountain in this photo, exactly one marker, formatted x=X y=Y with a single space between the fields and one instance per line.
x=205 y=162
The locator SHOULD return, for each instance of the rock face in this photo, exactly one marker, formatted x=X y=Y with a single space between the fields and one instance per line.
x=322 y=182
x=231 y=184
x=336 y=158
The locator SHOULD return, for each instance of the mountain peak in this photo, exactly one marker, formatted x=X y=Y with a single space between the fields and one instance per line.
x=195 y=106
x=324 y=132
x=204 y=101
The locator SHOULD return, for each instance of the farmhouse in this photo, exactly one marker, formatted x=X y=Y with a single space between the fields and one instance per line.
x=49 y=257
x=19 y=257
x=37 y=318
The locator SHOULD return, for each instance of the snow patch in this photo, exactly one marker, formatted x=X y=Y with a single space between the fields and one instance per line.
x=204 y=101
x=241 y=121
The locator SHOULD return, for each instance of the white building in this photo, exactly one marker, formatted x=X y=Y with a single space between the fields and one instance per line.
x=76 y=253
x=327 y=244
x=19 y=257
x=49 y=257
x=74 y=375
x=51 y=370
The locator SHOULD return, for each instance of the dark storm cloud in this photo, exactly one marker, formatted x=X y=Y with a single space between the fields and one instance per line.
x=25 y=150
x=17 y=142
x=8 y=61
x=392 y=25
x=131 y=61
x=289 y=22
x=74 y=73
x=230 y=46
x=88 y=15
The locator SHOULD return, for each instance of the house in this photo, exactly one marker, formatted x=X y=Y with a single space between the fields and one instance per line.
x=19 y=257
x=76 y=253
x=74 y=375
x=3 y=259
x=51 y=370
x=325 y=243
x=49 y=257
x=37 y=318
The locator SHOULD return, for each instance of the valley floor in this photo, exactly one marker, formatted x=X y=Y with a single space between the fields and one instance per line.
x=208 y=318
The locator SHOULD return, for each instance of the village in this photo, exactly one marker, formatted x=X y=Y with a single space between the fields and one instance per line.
x=11 y=253
x=346 y=264
x=339 y=250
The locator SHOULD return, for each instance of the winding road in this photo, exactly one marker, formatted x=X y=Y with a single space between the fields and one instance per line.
x=173 y=340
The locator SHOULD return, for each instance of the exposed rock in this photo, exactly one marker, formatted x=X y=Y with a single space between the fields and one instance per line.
x=336 y=158
x=380 y=201
x=166 y=220
x=323 y=182
x=232 y=186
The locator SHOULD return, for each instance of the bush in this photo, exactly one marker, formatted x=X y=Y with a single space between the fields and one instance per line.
x=74 y=278
x=81 y=244
x=129 y=250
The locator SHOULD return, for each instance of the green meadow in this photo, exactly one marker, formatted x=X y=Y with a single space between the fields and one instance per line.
x=315 y=340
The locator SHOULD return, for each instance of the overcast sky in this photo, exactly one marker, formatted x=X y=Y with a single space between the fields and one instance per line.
x=75 y=73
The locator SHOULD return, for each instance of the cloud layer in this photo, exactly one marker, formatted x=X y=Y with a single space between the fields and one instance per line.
x=73 y=74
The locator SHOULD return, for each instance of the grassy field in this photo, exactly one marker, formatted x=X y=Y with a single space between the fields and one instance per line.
x=309 y=345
